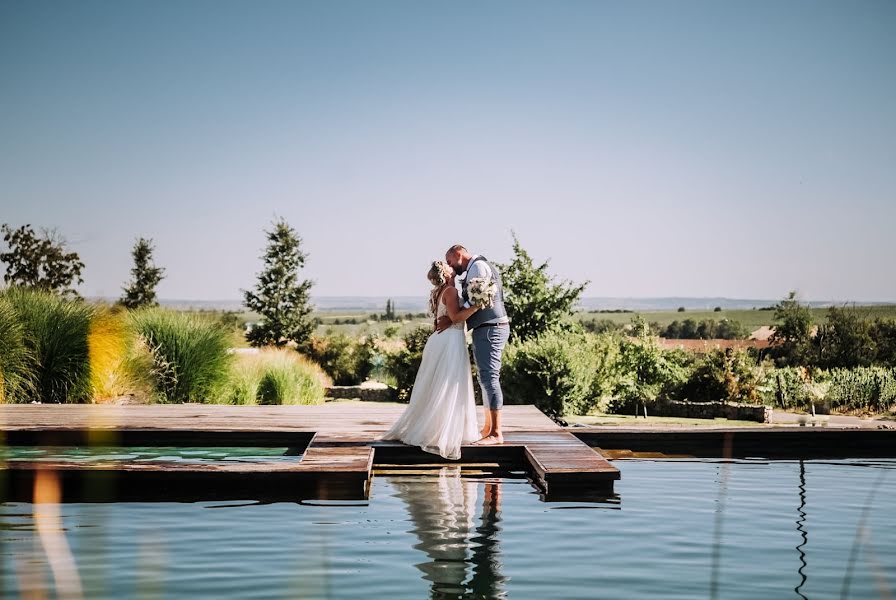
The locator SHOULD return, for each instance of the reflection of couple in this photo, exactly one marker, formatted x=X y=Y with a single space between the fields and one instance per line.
x=441 y=414
x=463 y=554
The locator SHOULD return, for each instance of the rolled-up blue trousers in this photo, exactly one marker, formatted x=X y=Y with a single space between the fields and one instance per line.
x=488 y=346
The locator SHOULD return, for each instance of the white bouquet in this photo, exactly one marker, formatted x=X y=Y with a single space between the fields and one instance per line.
x=481 y=291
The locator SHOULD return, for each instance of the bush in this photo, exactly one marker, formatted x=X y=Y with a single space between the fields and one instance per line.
x=723 y=375
x=275 y=376
x=562 y=373
x=346 y=360
x=402 y=364
x=792 y=388
x=871 y=389
x=190 y=359
x=16 y=358
x=54 y=331
x=646 y=373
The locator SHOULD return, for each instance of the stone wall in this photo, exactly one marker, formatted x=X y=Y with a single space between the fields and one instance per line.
x=712 y=410
x=360 y=392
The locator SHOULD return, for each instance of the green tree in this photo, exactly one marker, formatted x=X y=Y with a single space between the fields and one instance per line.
x=790 y=342
x=722 y=375
x=845 y=340
x=535 y=304
x=279 y=297
x=689 y=329
x=647 y=373
x=40 y=262
x=729 y=329
x=883 y=331
x=141 y=291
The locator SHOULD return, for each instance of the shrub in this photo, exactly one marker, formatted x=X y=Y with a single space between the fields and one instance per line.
x=16 y=358
x=607 y=369
x=190 y=359
x=346 y=360
x=723 y=375
x=557 y=371
x=275 y=376
x=646 y=372
x=402 y=364
x=55 y=333
x=790 y=388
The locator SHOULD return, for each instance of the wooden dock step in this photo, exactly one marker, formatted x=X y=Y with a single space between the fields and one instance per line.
x=564 y=466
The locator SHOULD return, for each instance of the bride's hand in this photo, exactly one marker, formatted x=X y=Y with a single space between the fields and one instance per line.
x=443 y=323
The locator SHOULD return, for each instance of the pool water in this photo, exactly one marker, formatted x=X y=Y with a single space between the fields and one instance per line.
x=674 y=529
x=93 y=454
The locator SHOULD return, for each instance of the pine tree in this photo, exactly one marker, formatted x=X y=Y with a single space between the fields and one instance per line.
x=534 y=303
x=141 y=291
x=279 y=297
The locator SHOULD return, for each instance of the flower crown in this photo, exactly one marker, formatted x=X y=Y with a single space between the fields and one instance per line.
x=438 y=269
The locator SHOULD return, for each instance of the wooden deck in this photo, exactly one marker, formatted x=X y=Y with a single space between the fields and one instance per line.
x=336 y=447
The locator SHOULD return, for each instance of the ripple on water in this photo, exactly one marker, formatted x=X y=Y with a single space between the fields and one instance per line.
x=675 y=529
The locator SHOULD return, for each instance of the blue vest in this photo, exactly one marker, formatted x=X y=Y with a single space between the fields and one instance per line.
x=496 y=310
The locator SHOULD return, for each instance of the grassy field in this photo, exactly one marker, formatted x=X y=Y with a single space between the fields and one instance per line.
x=752 y=319
x=364 y=323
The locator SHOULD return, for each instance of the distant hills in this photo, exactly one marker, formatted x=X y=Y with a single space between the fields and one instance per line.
x=415 y=304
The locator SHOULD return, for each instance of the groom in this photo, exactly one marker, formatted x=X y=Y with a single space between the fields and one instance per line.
x=491 y=328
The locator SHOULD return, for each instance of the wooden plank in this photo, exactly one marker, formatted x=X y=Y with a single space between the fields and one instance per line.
x=563 y=464
x=335 y=418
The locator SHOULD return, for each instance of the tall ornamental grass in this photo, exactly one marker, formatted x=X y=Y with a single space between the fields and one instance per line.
x=117 y=365
x=275 y=376
x=54 y=332
x=16 y=358
x=189 y=354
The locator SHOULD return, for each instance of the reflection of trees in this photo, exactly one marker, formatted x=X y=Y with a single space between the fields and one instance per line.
x=444 y=522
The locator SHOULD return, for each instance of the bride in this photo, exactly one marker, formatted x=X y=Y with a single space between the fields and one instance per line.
x=441 y=414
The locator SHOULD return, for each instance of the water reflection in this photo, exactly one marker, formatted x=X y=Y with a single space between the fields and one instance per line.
x=459 y=534
x=804 y=534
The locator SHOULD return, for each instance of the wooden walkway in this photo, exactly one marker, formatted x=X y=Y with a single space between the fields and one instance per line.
x=336 y=447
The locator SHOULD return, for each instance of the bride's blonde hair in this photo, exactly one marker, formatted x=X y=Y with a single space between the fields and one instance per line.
x=438 y=275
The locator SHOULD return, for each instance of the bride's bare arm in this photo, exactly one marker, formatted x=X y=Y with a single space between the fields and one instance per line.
x=455 y=312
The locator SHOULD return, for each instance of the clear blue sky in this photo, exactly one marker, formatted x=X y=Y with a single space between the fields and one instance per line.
x=655 y=148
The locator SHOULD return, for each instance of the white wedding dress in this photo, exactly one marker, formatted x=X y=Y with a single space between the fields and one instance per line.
x=441 y=415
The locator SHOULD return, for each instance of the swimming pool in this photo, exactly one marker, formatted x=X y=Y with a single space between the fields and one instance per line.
x=674 y=529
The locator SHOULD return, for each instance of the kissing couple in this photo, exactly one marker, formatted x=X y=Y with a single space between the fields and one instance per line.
x=441 y=414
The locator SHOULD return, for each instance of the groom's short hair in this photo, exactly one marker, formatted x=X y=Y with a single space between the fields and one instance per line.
x=455 y=249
